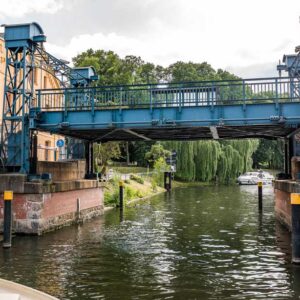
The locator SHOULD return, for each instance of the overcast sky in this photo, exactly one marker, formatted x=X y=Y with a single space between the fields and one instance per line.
x=241 y=36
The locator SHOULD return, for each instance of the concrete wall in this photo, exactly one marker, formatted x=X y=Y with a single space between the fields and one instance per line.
x=63 y=170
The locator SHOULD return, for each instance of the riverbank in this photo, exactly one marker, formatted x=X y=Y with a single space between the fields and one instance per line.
x=135 y=188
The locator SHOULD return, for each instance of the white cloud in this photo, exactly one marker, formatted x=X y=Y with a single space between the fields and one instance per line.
x=19 y=8
x=242 y=36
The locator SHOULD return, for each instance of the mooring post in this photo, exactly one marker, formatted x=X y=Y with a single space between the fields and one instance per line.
x=260 y=196
x=7 y=225
x=170 y=181
x=165 y=180
x=295 y=211
x=78 y=208
x=121 y=195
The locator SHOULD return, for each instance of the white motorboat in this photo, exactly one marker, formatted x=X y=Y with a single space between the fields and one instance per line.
x=251 y=178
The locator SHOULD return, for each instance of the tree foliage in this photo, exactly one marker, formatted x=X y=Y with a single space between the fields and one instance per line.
x=156 y=152
x=270 y=154
x=197 y=160
x=103 y=153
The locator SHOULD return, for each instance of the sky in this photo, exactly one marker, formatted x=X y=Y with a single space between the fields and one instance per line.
x=244 y=37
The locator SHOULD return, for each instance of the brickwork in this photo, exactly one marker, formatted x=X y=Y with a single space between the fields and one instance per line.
x=39 y=213
x=283 y=207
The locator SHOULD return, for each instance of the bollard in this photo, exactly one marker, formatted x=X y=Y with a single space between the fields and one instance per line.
x=121 y=194
x=260 y=196
x=7 y=226
x=170 y=181
x=165 y=180
x=295 y=211
x=78 y=208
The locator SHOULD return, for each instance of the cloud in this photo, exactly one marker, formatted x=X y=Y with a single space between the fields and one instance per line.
x=19 y=8
x=223 y=33
x=267 y=69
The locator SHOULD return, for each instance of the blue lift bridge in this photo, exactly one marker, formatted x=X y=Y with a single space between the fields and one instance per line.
x=245 y=108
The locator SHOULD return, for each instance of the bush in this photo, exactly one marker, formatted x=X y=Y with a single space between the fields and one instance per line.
x=130 y=193
x=111 y=198
x=136 y=178
x=160 y=167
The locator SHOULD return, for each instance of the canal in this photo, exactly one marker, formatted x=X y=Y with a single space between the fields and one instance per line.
x=196 y=243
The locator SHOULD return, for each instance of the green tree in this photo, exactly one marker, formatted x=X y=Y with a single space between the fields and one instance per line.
x=269 y=154
x=156 y=152
x=103 y=153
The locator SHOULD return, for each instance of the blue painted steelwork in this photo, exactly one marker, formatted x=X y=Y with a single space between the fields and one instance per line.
x=291 y=65
x=159 y=111
x=260 y=107
x=206 y=93
x=21 y=41
x=83 y=76
x=24 y=53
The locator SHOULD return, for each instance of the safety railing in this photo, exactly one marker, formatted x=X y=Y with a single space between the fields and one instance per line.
x=205 y=93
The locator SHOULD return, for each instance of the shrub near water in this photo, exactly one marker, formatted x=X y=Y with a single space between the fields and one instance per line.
x=111 y=195
x=136 y=178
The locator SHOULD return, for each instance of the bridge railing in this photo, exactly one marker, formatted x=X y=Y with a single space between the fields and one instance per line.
x=205 y=93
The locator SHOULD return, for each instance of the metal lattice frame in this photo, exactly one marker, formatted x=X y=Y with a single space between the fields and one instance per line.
x=18 y=95
x=56 y=67
x=294 y=73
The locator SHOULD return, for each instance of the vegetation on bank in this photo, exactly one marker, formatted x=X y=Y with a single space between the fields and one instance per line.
x=134 y=188
x=205 y=161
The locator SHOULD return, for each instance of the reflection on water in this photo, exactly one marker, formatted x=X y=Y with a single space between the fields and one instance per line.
x=196 y=243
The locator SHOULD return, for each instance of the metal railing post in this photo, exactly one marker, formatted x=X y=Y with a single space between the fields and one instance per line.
x=276 y=94
x=92 y=95
x=66 y=104
x=39 y=99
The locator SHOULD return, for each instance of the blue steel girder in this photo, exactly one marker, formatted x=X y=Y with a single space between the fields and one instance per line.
x=267 y=120
x=262 y=107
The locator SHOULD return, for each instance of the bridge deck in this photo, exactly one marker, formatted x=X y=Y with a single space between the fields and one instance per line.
x=267 y=107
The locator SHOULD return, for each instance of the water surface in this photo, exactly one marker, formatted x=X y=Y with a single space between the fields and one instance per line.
x=196 y=243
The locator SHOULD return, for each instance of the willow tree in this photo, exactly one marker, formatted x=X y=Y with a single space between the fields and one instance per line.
x=246 y=149
x=206 y=156
x=230 y=164
x=185 y=168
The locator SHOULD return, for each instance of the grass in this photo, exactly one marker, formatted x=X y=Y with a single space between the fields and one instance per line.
x=127 y=170
x=133 y=190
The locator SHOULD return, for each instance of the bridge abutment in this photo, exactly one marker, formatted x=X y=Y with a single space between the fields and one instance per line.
x=39 y=207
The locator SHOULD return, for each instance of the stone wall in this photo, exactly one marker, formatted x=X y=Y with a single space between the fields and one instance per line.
x=42 y=212
x=63 y=170
x=283 y=207
x=283 y=190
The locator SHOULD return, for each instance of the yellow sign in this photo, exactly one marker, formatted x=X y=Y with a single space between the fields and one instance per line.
x=295 y=198
x=259 y=183
x=8 y=195
x=121 y=183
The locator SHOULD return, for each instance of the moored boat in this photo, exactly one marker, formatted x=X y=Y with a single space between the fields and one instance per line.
x=252 y=178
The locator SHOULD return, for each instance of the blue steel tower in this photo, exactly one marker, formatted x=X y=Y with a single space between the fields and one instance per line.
x=24 y=53
x=21 y=42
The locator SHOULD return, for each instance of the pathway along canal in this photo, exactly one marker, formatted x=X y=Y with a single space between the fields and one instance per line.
x=196 y=243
